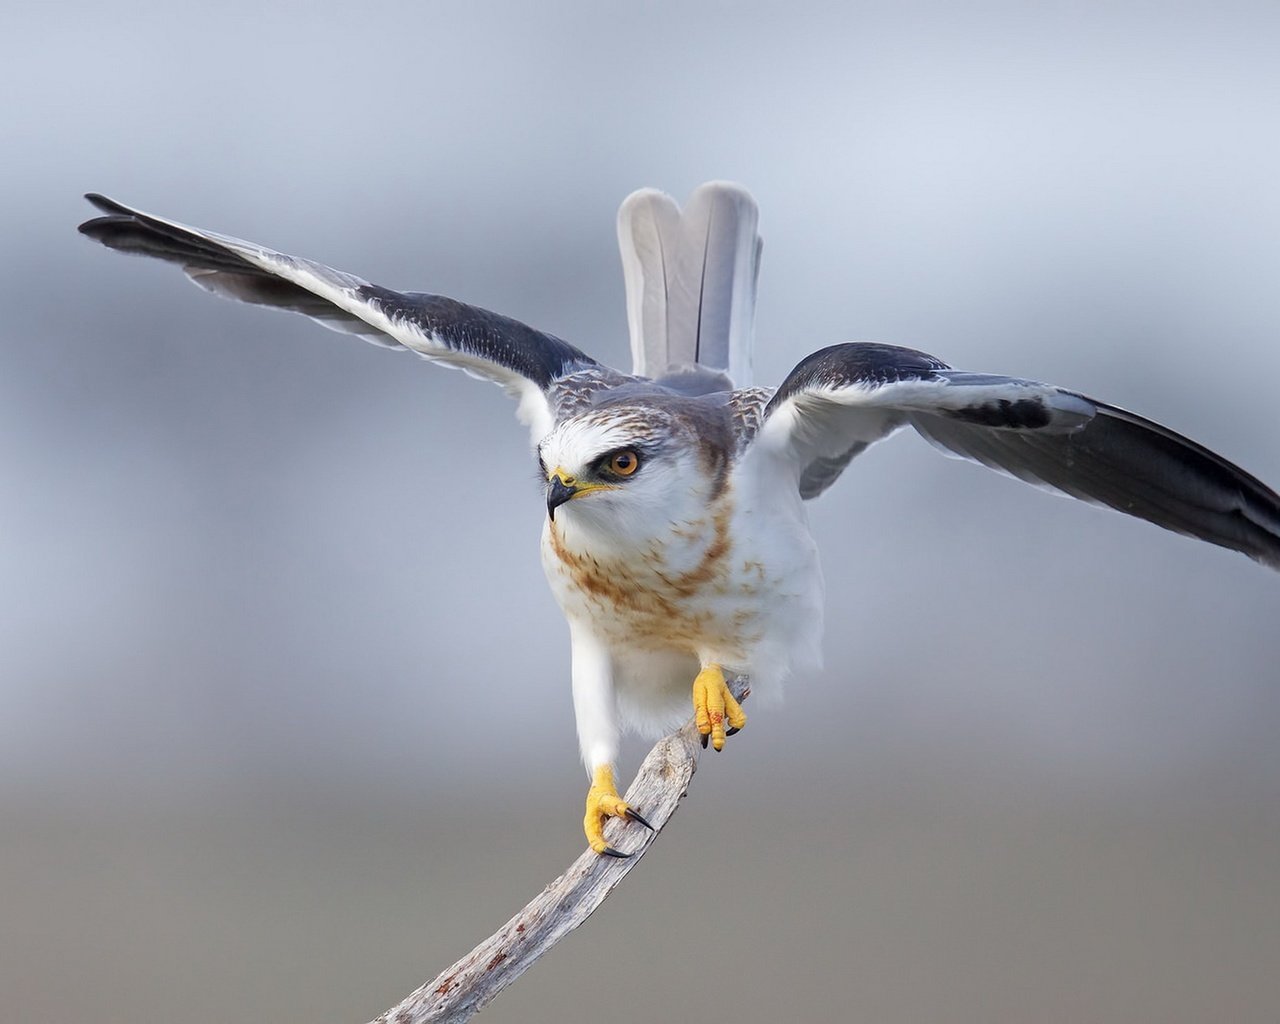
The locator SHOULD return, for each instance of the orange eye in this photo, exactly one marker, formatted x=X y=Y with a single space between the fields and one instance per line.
x=624 y=463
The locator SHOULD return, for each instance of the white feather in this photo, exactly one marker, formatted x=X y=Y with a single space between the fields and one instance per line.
x=594 y=707
x=691 y=279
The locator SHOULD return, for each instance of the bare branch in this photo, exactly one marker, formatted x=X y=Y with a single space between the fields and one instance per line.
x=462 y=990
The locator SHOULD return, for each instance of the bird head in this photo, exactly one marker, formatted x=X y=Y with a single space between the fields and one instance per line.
x=625 y=470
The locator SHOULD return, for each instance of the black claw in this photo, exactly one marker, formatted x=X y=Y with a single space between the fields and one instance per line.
x=733 y=730
x=639 y=820
x=705 y=738
x=609 y=851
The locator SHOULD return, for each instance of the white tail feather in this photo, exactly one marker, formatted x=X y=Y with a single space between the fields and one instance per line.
x=691 y=279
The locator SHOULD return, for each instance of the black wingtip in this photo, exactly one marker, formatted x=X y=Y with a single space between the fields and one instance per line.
x=106 y=205
x=100 y=229
x=96 y=227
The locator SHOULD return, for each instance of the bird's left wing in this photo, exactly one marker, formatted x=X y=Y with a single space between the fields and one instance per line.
x=526 y=362
x=841 y=399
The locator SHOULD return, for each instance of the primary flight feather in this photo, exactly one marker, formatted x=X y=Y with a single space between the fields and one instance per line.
x=676 y=538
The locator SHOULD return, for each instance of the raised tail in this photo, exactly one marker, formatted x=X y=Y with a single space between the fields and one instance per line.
x=691 y=280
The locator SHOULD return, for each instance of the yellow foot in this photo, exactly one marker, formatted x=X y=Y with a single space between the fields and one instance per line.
x=603 y=802
x=712 y=704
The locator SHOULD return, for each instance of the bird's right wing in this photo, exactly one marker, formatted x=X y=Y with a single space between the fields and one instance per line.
x=841 y=399
x=524 y=361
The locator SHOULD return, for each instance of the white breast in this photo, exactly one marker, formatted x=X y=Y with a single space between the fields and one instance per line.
x=737 y=586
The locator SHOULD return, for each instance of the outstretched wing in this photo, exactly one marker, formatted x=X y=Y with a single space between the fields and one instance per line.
x=524 y=361
x=840 y=400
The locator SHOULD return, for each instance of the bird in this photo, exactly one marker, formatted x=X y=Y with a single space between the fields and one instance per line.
x=676 y=539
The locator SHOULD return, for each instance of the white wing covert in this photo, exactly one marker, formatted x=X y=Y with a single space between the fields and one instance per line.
x=838 y=401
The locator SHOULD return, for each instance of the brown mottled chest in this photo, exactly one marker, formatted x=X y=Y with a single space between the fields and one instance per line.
x=677 y=590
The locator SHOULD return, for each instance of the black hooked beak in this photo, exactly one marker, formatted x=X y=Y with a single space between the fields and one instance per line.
x=558 y=492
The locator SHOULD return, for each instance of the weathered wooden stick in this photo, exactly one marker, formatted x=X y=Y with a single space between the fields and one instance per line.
x=462 y=990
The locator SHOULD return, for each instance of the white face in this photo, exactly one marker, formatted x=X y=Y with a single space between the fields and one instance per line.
x=628 y=481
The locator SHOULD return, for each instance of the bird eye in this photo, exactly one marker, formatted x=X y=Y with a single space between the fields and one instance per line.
x=623 y=463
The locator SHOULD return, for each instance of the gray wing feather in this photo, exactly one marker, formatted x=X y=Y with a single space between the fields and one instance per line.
x=484 y=344
x=838 y=401
x=823 y=470
x=1133 y=465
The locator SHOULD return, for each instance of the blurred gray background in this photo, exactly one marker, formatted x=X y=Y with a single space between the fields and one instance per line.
x=284 y=714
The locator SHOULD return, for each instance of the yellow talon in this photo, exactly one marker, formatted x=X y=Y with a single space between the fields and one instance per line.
x=713 y=703
x=603 y=802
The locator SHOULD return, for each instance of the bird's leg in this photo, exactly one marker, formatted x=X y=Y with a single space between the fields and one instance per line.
x=712 y=704
x=603 y=802
x=596 y=710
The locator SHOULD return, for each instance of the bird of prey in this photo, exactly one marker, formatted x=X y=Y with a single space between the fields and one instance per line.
x=676 y=539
